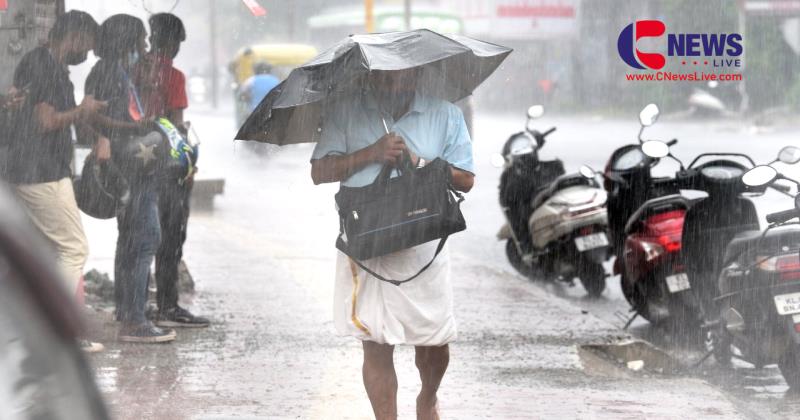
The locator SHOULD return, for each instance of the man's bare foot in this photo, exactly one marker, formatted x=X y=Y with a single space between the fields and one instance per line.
x=427 y=409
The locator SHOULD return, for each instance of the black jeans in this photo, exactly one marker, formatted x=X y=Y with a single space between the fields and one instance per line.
x=173 y=210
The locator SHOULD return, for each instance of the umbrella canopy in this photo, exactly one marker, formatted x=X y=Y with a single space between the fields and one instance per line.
x=451 y=67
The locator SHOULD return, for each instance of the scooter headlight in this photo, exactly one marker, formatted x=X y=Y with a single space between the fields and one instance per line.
x=521 y=144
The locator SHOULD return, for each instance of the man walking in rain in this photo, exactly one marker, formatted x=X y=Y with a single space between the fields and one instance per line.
x=352 y=150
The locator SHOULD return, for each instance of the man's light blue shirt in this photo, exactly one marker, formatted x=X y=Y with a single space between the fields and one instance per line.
x=432 y=128
x=258 y=87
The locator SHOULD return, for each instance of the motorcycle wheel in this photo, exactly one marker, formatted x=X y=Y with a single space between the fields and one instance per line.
x=516 y=260
x=634 y=297
x=790 y=366
x=593 y=278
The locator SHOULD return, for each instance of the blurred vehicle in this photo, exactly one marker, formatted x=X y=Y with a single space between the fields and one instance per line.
x=565 y=214
x=43 y=372
x=712 y=100
x=759 y=300
x=282 y=57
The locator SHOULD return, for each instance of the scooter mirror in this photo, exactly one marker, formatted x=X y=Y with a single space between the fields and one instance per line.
x=498 y=161
x=655 y=149
x=587 y=172
x=535 y=111
x=759 y=176
x=789 y=154
x=713 y=84
x=649 y=115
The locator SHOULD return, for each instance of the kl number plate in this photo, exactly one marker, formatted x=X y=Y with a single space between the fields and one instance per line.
x=678 y=282
x=788 y=304
x=595 y=240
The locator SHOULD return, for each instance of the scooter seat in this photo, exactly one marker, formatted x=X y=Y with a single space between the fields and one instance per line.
x=751 y=241
x=562 y=182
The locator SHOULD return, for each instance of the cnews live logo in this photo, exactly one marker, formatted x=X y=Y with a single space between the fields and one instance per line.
x=704 y=49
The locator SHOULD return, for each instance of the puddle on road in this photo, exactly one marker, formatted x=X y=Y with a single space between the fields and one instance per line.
x=759 y=393
x=623 y=359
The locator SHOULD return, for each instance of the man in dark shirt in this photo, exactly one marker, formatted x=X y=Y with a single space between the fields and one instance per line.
x=40 y=152
x=43 y=146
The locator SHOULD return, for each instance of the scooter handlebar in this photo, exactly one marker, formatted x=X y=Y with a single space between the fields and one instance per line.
x=782 y=216
x=548 y=132
x=672 y=142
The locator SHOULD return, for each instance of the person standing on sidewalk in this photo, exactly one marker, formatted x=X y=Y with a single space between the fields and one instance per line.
x=163 y=90
x=40 y=152
x=120 y=45
x=352 y=151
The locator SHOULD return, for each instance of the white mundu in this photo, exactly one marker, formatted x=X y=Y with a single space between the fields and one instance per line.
x=418 y=312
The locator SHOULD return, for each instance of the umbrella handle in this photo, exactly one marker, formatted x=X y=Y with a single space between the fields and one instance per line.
x=385 y=127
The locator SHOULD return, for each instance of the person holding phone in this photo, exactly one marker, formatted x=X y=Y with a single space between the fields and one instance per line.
x=40 y=150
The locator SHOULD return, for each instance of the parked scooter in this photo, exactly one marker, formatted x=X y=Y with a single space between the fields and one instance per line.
x=626 y=179
x=555 y=230
x=710 y=223
x=646 y=220
x=759 y=300
x=654 y=280
x=524 y=176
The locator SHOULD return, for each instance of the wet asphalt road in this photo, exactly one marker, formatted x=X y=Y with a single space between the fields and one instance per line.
x=263 y=263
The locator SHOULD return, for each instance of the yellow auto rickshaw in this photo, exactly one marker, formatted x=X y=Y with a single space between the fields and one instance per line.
x=282 y=57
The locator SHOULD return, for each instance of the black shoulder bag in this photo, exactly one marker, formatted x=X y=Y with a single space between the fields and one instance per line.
x=393 y=214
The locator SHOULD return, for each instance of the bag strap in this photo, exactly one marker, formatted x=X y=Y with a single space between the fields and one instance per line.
x=399 y=282
x=404 y=168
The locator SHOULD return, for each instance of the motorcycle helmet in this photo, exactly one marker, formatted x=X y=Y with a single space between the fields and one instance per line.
x=182 y=153
x=101 y=190
x=141 y=154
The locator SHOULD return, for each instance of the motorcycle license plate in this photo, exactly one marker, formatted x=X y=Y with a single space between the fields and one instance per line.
x=678 y=283
x=595 y=240
x=788 y=304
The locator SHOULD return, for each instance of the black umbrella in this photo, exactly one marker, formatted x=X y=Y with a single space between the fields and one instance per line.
x=451 y=68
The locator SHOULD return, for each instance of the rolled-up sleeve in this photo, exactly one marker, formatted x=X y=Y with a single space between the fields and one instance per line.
x=458 y=147
x=332 y=140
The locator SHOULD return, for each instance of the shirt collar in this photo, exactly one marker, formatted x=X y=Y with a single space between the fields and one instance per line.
x=63 y=67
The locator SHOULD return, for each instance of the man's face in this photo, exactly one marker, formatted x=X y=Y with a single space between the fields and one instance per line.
x=394 y=89
x=78 y=45
x=393 y=82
